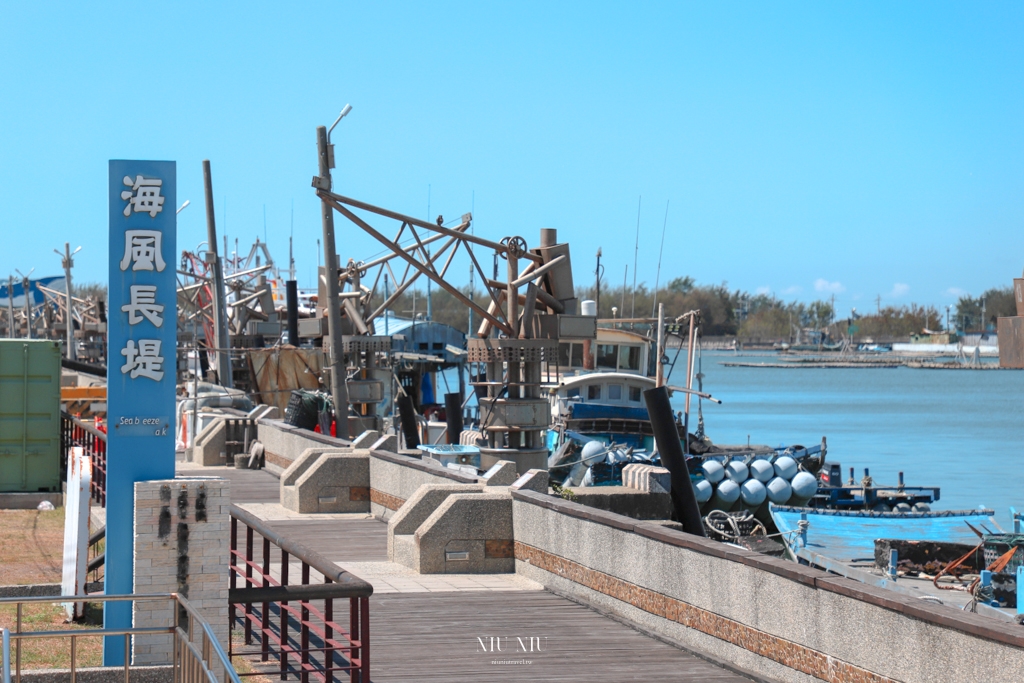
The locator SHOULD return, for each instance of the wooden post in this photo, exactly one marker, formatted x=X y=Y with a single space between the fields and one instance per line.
x=221 y=339
x=336 y=362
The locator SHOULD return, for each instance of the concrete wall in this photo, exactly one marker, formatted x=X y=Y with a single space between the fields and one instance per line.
x=769 y=616
x=394 y=478
x=181 y=546
x=283 y=443
x=624 y=500
x=210 y=445
x=327 y=481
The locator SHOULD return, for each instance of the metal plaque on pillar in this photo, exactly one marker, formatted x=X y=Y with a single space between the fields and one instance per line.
x=141 y=362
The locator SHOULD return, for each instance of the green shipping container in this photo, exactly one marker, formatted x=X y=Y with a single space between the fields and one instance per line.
x=29 y=415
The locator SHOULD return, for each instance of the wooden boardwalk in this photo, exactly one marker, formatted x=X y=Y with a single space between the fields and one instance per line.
x=426 y=628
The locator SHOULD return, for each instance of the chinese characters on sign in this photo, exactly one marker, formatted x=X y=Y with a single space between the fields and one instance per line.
x=144 y=197
x=143 y=251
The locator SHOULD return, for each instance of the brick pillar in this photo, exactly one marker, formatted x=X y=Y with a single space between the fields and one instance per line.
x=182 y=540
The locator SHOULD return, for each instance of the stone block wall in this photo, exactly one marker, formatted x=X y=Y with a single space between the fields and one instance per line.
x=182 y=542
x=394 y=478
x=282 y=443
x=769 y=616
x=211 y=444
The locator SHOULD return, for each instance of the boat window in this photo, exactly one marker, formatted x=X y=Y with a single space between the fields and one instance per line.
x=577 y=355
x=606 y=355
x=423 y=346
x=438 y=346
x=573 y=393
x=634 y=394
x=594 y=391
x=563 y=354
x=614 y=392
x=629 y=357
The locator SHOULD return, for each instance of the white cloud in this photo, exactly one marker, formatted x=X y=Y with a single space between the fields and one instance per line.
x=794 y=289
x=955 y=291
x=899 y=290
x=823 y=285
x=764 y=290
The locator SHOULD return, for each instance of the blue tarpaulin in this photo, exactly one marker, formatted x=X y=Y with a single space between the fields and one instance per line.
x=35 y=296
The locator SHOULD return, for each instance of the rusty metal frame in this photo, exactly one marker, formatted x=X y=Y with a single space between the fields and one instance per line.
x=337 y=202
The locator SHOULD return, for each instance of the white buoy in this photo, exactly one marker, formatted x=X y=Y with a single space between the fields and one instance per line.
x=703 y=490
x=762 y=470
x=617 y=456
x=779 y=491
x=736 y=471
x=713 y=471
x=726 y=494
x=753 y=493
x=593 y=452
x=786 y=467
x=804 y=487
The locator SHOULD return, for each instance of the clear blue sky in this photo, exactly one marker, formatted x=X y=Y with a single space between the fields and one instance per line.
x=806 y=148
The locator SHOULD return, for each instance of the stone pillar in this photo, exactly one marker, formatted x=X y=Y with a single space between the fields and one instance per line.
x=182 y=541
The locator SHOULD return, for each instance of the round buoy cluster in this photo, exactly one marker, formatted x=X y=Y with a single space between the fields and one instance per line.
x=738 y=485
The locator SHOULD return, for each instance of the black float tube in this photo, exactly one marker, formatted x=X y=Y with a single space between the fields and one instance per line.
x=453 y=413
x=666 y=435
x=292 y=302
x=407 y=414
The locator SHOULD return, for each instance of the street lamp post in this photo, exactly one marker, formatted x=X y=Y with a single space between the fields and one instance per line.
x=10 y=306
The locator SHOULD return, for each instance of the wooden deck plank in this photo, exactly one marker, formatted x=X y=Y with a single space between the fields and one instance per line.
x=348 y=540
x=433 y=637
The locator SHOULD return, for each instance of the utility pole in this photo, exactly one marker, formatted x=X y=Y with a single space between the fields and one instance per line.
x=878 y=304
x=67 y=263
x=10 y=307
x=25 y=284
x=221 y=339
x=597 y=283
x=336 y=363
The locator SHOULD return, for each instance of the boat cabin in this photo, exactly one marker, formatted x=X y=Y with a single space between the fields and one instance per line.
x=613 y=351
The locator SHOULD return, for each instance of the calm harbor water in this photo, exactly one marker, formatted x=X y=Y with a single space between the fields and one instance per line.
x=961 y=430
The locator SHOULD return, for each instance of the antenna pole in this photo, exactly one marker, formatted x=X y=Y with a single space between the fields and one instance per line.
x=657 y=278
x=636 y=253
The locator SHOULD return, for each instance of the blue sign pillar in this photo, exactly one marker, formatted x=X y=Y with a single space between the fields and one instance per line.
x=142 y=326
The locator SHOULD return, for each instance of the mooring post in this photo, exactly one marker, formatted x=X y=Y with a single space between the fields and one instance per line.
x=292 y=302
x=666 y=436
x=894 y=557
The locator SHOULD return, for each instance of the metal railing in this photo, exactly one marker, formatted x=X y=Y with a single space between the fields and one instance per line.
x=301 y=633
x=195 y=651
x=74 y=432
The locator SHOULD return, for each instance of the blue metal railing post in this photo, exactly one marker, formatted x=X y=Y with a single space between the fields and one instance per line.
x=893 y=561
x=7 y=650
x=1020 y=589
x=803 y=530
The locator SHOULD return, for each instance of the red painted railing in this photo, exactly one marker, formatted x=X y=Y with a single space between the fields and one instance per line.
x=284 y=615
x=74 y=432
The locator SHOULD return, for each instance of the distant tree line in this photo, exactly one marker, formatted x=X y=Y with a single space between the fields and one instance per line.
x=981 y=313
x=724 y=312
x=749 y=317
